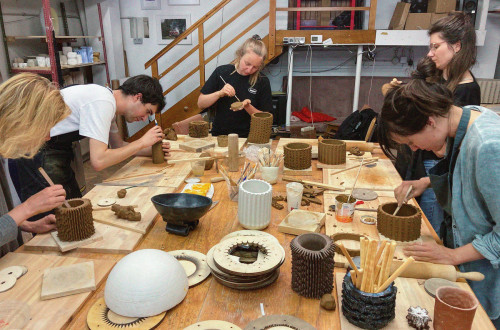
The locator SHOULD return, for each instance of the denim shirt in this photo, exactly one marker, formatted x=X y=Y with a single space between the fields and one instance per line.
x=476 y=205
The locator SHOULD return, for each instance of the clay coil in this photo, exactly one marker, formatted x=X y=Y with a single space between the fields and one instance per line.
x=331 y=152
x=297 y=155
x=198 y=129
x=75 y=223
x=403 y=227
x=312 y=264
x=260 y=127
x=368 y=310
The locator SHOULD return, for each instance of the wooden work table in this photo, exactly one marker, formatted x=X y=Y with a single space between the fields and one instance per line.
x=210 y=300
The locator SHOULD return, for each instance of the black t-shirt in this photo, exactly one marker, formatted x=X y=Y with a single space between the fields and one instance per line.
x=227 y=121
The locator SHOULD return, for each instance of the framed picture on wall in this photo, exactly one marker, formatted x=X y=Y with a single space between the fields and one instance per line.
x=183 y=2
x=169 y=27
x=150 y=4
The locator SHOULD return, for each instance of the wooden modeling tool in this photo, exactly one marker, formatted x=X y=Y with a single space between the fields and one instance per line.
x=312 y=183
x=226 y=84
x=355 y=180
x=46 y=176
x=406 y=196
x=355 y=166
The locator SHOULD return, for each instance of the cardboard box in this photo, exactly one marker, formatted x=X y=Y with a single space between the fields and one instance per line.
x=399 y=17
x=418 y=21
x=441 y=6
x=436 y=17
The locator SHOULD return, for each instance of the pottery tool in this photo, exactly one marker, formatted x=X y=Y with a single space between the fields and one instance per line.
x=426 y=270
x=216 y=179
x=312 y=183
x=406 y=196
x=356 y=180
x=227 y=84
x=46 y=177
x=355 y=166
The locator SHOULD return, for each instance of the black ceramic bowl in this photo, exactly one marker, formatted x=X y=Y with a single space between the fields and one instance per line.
x=179 y=208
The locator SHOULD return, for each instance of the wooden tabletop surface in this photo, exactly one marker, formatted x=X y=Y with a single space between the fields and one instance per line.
x=210 y=300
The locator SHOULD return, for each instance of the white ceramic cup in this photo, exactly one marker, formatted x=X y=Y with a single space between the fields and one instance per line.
x=71 y=55
x=294 y=195
x=40 y=60
x=72 y=61
x=15 y=65
x=254 y=204
x=31 y=63
x=23 y=65
x=269 y=174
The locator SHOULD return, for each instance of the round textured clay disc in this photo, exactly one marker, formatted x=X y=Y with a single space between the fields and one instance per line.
x=194 y=263
x=17 y=271
x=106 y=202
x=213 y=324
x=364 y=194
x=368 y=219
x=102 y=318
x=7 y=282
x=192 y=180
x=431 y=285
x=279 y=322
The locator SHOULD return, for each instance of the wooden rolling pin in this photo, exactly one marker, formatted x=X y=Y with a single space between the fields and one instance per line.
x=425 y=270
x=313 y=183
x=362 y=145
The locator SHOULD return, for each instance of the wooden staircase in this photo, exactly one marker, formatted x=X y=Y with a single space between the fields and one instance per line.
x=187 y=106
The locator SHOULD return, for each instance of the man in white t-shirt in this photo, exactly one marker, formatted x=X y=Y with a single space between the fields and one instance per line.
x=93 y=112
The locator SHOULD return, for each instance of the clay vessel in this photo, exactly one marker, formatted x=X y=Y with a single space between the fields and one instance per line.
x=222 y=141
x=158 y=154
x=331 y=152
x=75 y=223
x=297 y=155
x=198 y=129
x=403 y=227
x=454 y=309
x=260 y=127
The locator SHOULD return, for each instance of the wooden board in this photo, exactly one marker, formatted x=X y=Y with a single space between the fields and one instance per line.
x=288 y=228
x=68 y=246
x=306 y=172
x=196 y=145
x=174 y=145
x=350 y=161
x=172 y=176
x=312 y=142
x=54 y=313
x=68 y=280
x=411 y=292
x=114 y=240
x=140 y=196
x=381 y=176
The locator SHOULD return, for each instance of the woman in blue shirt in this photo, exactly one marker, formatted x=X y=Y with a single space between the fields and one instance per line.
x=466 y=181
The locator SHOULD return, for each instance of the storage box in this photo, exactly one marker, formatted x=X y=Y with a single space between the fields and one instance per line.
x=418 y=21
x=441 y=6
x=399 y=17
x=436 y=17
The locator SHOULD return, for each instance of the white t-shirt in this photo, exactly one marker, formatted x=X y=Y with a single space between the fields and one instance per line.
x=93 y=109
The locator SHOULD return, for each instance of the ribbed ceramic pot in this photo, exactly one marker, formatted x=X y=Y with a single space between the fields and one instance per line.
x=368 y=310
x=297 y=155
x=403 y=227
x=254 y=204
x=198 y=129
x=331 y=152
x=260 y=127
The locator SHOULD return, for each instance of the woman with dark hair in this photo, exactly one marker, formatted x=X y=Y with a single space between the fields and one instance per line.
x=452 y=52
x=421 y=114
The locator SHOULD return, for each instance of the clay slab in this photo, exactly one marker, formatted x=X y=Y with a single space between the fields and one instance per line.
x=67 y=280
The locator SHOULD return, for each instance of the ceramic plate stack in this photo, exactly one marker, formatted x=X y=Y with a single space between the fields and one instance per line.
x=233 y=261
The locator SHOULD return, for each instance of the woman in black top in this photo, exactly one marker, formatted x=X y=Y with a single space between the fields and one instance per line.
x=241 y=78
x=452 y=52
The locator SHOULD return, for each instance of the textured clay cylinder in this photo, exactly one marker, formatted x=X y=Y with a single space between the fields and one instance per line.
x=454 y=308
x=403 y=227
x=260 y=127
x=75 y=223
x=312 y=264
x=297 y=155
x=331 y=152
x=198 y=129
x=158 y=154
x=254 y=204
x=368 y=310
x=222 y=141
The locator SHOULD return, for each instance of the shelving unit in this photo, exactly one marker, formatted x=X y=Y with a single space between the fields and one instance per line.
x=54 y=44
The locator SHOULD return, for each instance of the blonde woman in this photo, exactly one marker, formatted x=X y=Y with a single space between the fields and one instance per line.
x=30 y=106
x=241 y=78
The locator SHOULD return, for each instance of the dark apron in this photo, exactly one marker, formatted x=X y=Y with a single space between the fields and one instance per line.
x=441 y=177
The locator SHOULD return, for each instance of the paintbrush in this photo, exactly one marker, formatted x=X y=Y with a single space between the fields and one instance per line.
x=226 y=84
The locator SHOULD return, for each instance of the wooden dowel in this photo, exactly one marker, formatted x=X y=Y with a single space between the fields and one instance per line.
x=369 y=264
x=46 y=177
x=385 y=260
x=374 y=283
x=353 y=277
x=379 y=252
x=355 y=180
x=395 y=274
x=362 y=251
x=359 y=279
x=177 y=161
x=351 y=167
x=312 y=183
x=389 y=261
x=349 y=259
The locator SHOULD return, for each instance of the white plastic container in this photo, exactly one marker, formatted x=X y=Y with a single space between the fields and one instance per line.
x=294 y=195
x=269 y=174
x=254 y=204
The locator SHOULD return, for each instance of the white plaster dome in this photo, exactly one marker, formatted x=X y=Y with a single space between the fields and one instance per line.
x=145 y=283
